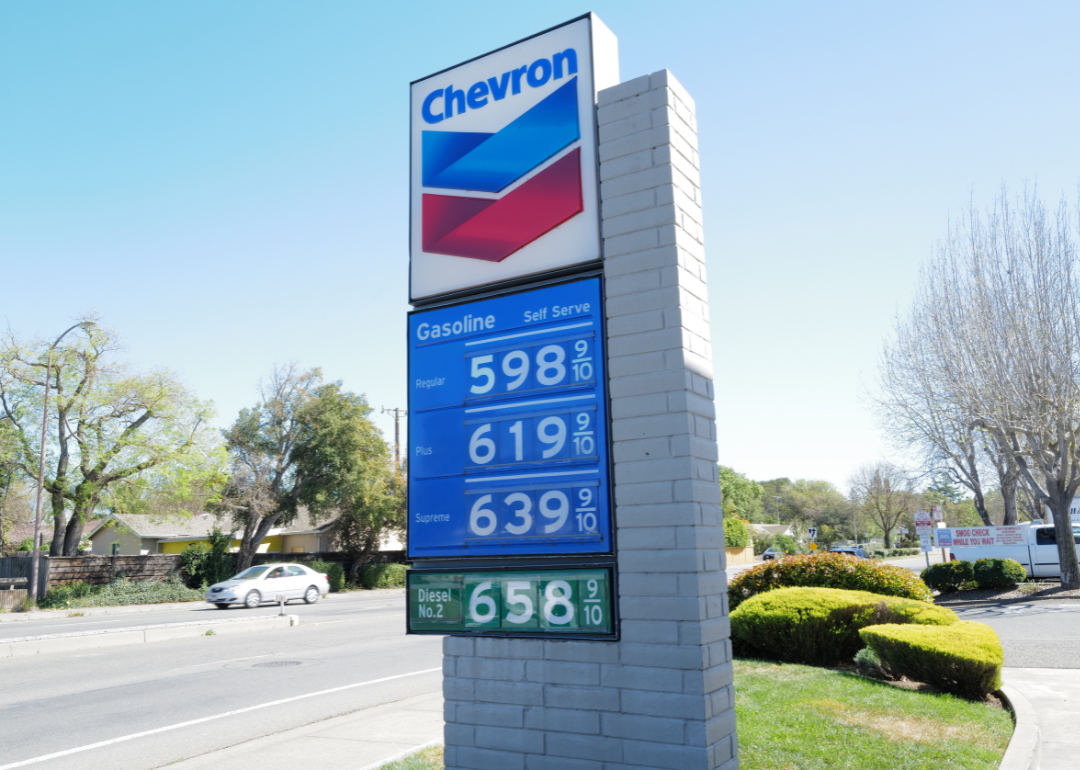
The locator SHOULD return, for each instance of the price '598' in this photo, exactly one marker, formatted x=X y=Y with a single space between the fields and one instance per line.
x=534 y=367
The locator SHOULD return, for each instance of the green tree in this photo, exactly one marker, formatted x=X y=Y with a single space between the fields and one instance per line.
x=354 y=478
x=110 y=424
x=742 y=497
x=305 y=443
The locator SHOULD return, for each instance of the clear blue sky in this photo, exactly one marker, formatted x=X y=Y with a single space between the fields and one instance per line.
x=226 y=183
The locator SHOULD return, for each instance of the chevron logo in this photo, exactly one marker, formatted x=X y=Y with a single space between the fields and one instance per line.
x=492 y=229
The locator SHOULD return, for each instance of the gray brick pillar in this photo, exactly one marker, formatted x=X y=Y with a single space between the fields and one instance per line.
x=662 y=696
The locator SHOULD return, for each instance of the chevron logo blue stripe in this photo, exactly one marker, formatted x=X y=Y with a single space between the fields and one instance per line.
x=460 y=160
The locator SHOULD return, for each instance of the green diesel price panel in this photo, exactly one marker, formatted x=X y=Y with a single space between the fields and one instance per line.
x=526 y=602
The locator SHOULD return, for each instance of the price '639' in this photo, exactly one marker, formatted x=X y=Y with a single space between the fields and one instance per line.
x=537 y=512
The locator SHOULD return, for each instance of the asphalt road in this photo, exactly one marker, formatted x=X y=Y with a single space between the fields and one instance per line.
x=1037 y=634
x=325 y=667
x=60 y=622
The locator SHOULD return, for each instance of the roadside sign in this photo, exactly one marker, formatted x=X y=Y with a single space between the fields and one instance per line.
x=539 y=601
x=504 y=182
x=812 y=533
x=939 y=514
x=923 y=524
x=508 y=433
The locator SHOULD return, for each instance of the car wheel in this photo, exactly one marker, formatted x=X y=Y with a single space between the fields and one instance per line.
x=311 y=595
x=222 y=606
x=252 y=600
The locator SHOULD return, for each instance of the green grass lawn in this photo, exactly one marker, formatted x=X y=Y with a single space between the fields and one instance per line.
x=428 y=759
x=802 y=718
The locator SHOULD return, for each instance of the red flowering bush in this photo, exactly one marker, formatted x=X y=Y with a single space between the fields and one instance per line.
x=827 y=570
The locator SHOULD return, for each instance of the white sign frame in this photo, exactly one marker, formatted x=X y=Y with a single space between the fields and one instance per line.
x=577 y=240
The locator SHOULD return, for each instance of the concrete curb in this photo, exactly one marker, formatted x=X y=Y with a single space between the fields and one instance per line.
x=85 y=640
x=1023 y=750
x=401 y=755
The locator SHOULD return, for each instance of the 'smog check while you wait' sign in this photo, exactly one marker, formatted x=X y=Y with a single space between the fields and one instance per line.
x=508 y=426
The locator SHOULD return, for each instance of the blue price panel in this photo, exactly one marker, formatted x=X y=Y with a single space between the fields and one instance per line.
x=508 y=426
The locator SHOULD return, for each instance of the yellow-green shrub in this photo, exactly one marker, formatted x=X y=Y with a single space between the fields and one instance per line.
x=820 y=626
x=963 y=658
x=827 y=570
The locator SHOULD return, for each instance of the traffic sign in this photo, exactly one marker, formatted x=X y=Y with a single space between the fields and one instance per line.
x=926 y=542
x=813 y=546
x=533 y=602
x=812 y=533
x=508 y=433
x=939 y=515
x=924 y=526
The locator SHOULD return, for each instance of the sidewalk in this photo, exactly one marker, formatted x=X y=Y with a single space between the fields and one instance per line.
x=1054 y=693
x=351 y=742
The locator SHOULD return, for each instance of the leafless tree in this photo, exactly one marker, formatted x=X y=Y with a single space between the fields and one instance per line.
x=997 y=312
x=886 y=494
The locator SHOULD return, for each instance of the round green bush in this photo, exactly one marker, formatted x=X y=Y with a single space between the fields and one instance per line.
x=335 y=573
x=827 y=570
x=949 y=576
x=999 y=573
x=820 y=626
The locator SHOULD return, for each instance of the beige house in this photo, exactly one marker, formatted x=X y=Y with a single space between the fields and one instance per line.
x=132 y=535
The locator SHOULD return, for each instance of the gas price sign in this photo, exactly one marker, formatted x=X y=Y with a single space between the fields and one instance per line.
x=508 y=426
x=562 y=601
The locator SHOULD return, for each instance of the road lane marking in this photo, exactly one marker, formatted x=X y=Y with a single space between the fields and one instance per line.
x=190 y=722
x=218 y=662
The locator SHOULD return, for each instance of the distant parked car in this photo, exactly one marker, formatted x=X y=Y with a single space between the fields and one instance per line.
x=772 y=553
x=850 y=550
x=266 y=582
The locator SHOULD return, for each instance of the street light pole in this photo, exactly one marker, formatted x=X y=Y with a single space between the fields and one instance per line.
x=33 y=587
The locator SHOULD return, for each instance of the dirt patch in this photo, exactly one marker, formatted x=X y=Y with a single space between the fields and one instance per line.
x=1016 y=593
x=898 y=727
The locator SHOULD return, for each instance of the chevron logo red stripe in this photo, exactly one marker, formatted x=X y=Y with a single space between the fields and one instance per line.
x=492 y=230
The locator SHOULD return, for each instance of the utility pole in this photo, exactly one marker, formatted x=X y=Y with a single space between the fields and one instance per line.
x=776 y=500
x=32 y=593
x=397 y=432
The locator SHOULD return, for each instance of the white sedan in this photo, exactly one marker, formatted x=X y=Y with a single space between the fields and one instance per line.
x=266 y=583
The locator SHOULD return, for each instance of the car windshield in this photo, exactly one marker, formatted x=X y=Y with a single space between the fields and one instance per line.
x=251 y=572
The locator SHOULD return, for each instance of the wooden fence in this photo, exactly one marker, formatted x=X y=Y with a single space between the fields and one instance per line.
x=98 y=570
x=19 y=567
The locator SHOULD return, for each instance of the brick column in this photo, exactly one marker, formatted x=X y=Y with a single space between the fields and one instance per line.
x=662 y=696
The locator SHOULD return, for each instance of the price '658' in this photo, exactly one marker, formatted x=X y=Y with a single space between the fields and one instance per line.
x=540 y=438
x=544 y=365
x=511 y=604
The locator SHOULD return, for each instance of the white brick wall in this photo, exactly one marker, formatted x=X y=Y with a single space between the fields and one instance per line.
x=661 y=697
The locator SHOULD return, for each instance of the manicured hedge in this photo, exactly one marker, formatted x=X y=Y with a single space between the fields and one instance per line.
x=999 y=573
x=820 y=626
x=335 y=573
x=382 y=576
x=949 y=576
x=736 y=534
x=827 y=570
x=963 y=658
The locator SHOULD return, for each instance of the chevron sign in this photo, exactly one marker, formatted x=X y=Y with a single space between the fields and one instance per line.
x=504 y=164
